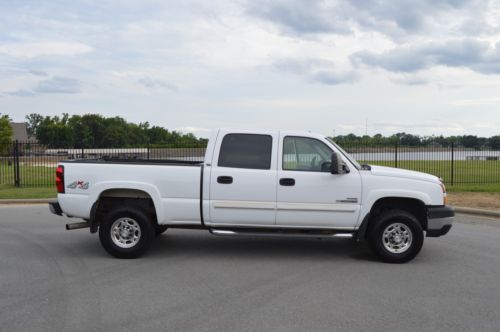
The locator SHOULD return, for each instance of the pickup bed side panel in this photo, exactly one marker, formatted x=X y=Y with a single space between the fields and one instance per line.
x=174 y=189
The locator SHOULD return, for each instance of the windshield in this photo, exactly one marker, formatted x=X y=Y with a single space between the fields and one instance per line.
x=347 y=155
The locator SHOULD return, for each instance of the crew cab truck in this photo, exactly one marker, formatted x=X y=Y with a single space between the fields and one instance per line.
x=255 y=183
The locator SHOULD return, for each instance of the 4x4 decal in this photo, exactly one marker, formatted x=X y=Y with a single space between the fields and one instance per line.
x=78 y=185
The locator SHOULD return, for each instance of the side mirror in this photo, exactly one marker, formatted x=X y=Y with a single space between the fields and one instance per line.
x=337 y=166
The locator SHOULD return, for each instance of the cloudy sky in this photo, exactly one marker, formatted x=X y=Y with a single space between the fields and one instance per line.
x=423 y=67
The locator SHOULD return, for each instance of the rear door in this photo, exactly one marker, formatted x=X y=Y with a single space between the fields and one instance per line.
x=243 y=179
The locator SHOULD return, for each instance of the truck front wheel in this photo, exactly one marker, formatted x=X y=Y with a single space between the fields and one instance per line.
x=126 y=232
x=396 y=236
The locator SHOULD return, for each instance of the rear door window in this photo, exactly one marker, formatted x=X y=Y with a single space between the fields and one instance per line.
x=246 y=151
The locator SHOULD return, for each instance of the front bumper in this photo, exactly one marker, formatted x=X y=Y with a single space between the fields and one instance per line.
x=439 y=220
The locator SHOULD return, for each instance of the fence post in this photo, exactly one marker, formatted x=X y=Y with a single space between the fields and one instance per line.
x=147 y=147
x=17 y=177
x=452 y=163
x=83 y=152
x=396 y=154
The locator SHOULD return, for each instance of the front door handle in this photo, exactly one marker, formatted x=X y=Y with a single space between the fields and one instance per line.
x=287 y=182
x=225 y=179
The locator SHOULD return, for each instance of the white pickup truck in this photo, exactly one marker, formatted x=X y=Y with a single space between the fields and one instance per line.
x=255 y=183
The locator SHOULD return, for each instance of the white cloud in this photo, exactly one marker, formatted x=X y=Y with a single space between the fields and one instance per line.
x=59 y=85
x=153 y=83
x=476 y=102
x=251 y=63
x=36 y=49
x=21 y=93
x=479 y=56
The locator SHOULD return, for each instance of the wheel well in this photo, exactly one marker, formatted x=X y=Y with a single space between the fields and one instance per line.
x=414 y=206
x=411 y=205
x=111 y=198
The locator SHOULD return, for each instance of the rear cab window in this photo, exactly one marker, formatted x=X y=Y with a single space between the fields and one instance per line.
x=252 y=151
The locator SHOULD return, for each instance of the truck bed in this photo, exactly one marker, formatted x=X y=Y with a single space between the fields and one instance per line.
x=173 y=185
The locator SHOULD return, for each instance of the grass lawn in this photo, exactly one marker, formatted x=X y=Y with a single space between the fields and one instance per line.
x=37 y=176
x=11 y=192
x=487 y=187
x=477 y=172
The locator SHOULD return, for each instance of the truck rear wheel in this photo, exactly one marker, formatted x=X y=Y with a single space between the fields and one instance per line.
x=396 y=236
x=126 y=232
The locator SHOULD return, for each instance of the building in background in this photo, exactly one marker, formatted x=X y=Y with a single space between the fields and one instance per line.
x=20 y=132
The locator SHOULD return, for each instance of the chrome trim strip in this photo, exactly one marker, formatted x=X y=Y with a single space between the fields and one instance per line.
x=317 y=207
x=244 y=205
x=256 y=205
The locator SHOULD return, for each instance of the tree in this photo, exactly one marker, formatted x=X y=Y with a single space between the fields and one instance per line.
x=94 y=130
x=55 y=132
x=494 y=142
x=117 y=134
x=82 y=135
x=33 y=123
x=95 y=125
x=468 y=141
x=5 y=133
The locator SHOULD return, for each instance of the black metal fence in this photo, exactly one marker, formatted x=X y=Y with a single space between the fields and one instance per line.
x=31 y=164
x=455 y=164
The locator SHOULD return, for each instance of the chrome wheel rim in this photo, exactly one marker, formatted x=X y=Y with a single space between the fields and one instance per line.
x=397 y=238
x=125 y=232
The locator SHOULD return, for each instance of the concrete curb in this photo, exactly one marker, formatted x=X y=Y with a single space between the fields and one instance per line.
x=26 y=201
x=477 y=212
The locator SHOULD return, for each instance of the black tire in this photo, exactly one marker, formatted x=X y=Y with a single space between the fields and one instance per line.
x=138 y=233
x=160 y=229
x=396 y=224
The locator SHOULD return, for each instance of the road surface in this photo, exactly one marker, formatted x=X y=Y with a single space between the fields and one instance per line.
x=52 y=279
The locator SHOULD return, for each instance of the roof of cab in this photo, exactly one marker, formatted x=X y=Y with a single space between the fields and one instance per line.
x=271 y=132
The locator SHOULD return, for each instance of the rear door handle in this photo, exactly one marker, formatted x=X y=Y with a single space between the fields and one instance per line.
x=225 y=179
x=287 y=182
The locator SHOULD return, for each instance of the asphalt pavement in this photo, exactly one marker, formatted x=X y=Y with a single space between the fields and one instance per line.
x=52 y=280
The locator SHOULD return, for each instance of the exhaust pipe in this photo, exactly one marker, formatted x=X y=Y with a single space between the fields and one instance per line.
x=77 y=225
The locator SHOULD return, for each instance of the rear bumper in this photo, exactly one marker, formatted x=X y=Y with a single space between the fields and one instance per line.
x=439 y=220
x=55 y=208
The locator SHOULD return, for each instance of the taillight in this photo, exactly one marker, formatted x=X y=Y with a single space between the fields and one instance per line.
x=60 y=179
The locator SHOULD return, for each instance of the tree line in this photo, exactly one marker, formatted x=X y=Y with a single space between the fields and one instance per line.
x=94 y=130
x=467 y=141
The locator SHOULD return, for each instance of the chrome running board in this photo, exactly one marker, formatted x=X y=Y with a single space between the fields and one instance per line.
x=287 y=233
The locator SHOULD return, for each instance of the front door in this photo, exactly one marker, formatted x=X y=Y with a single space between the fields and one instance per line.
x=243 y=180
x=308 y=194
